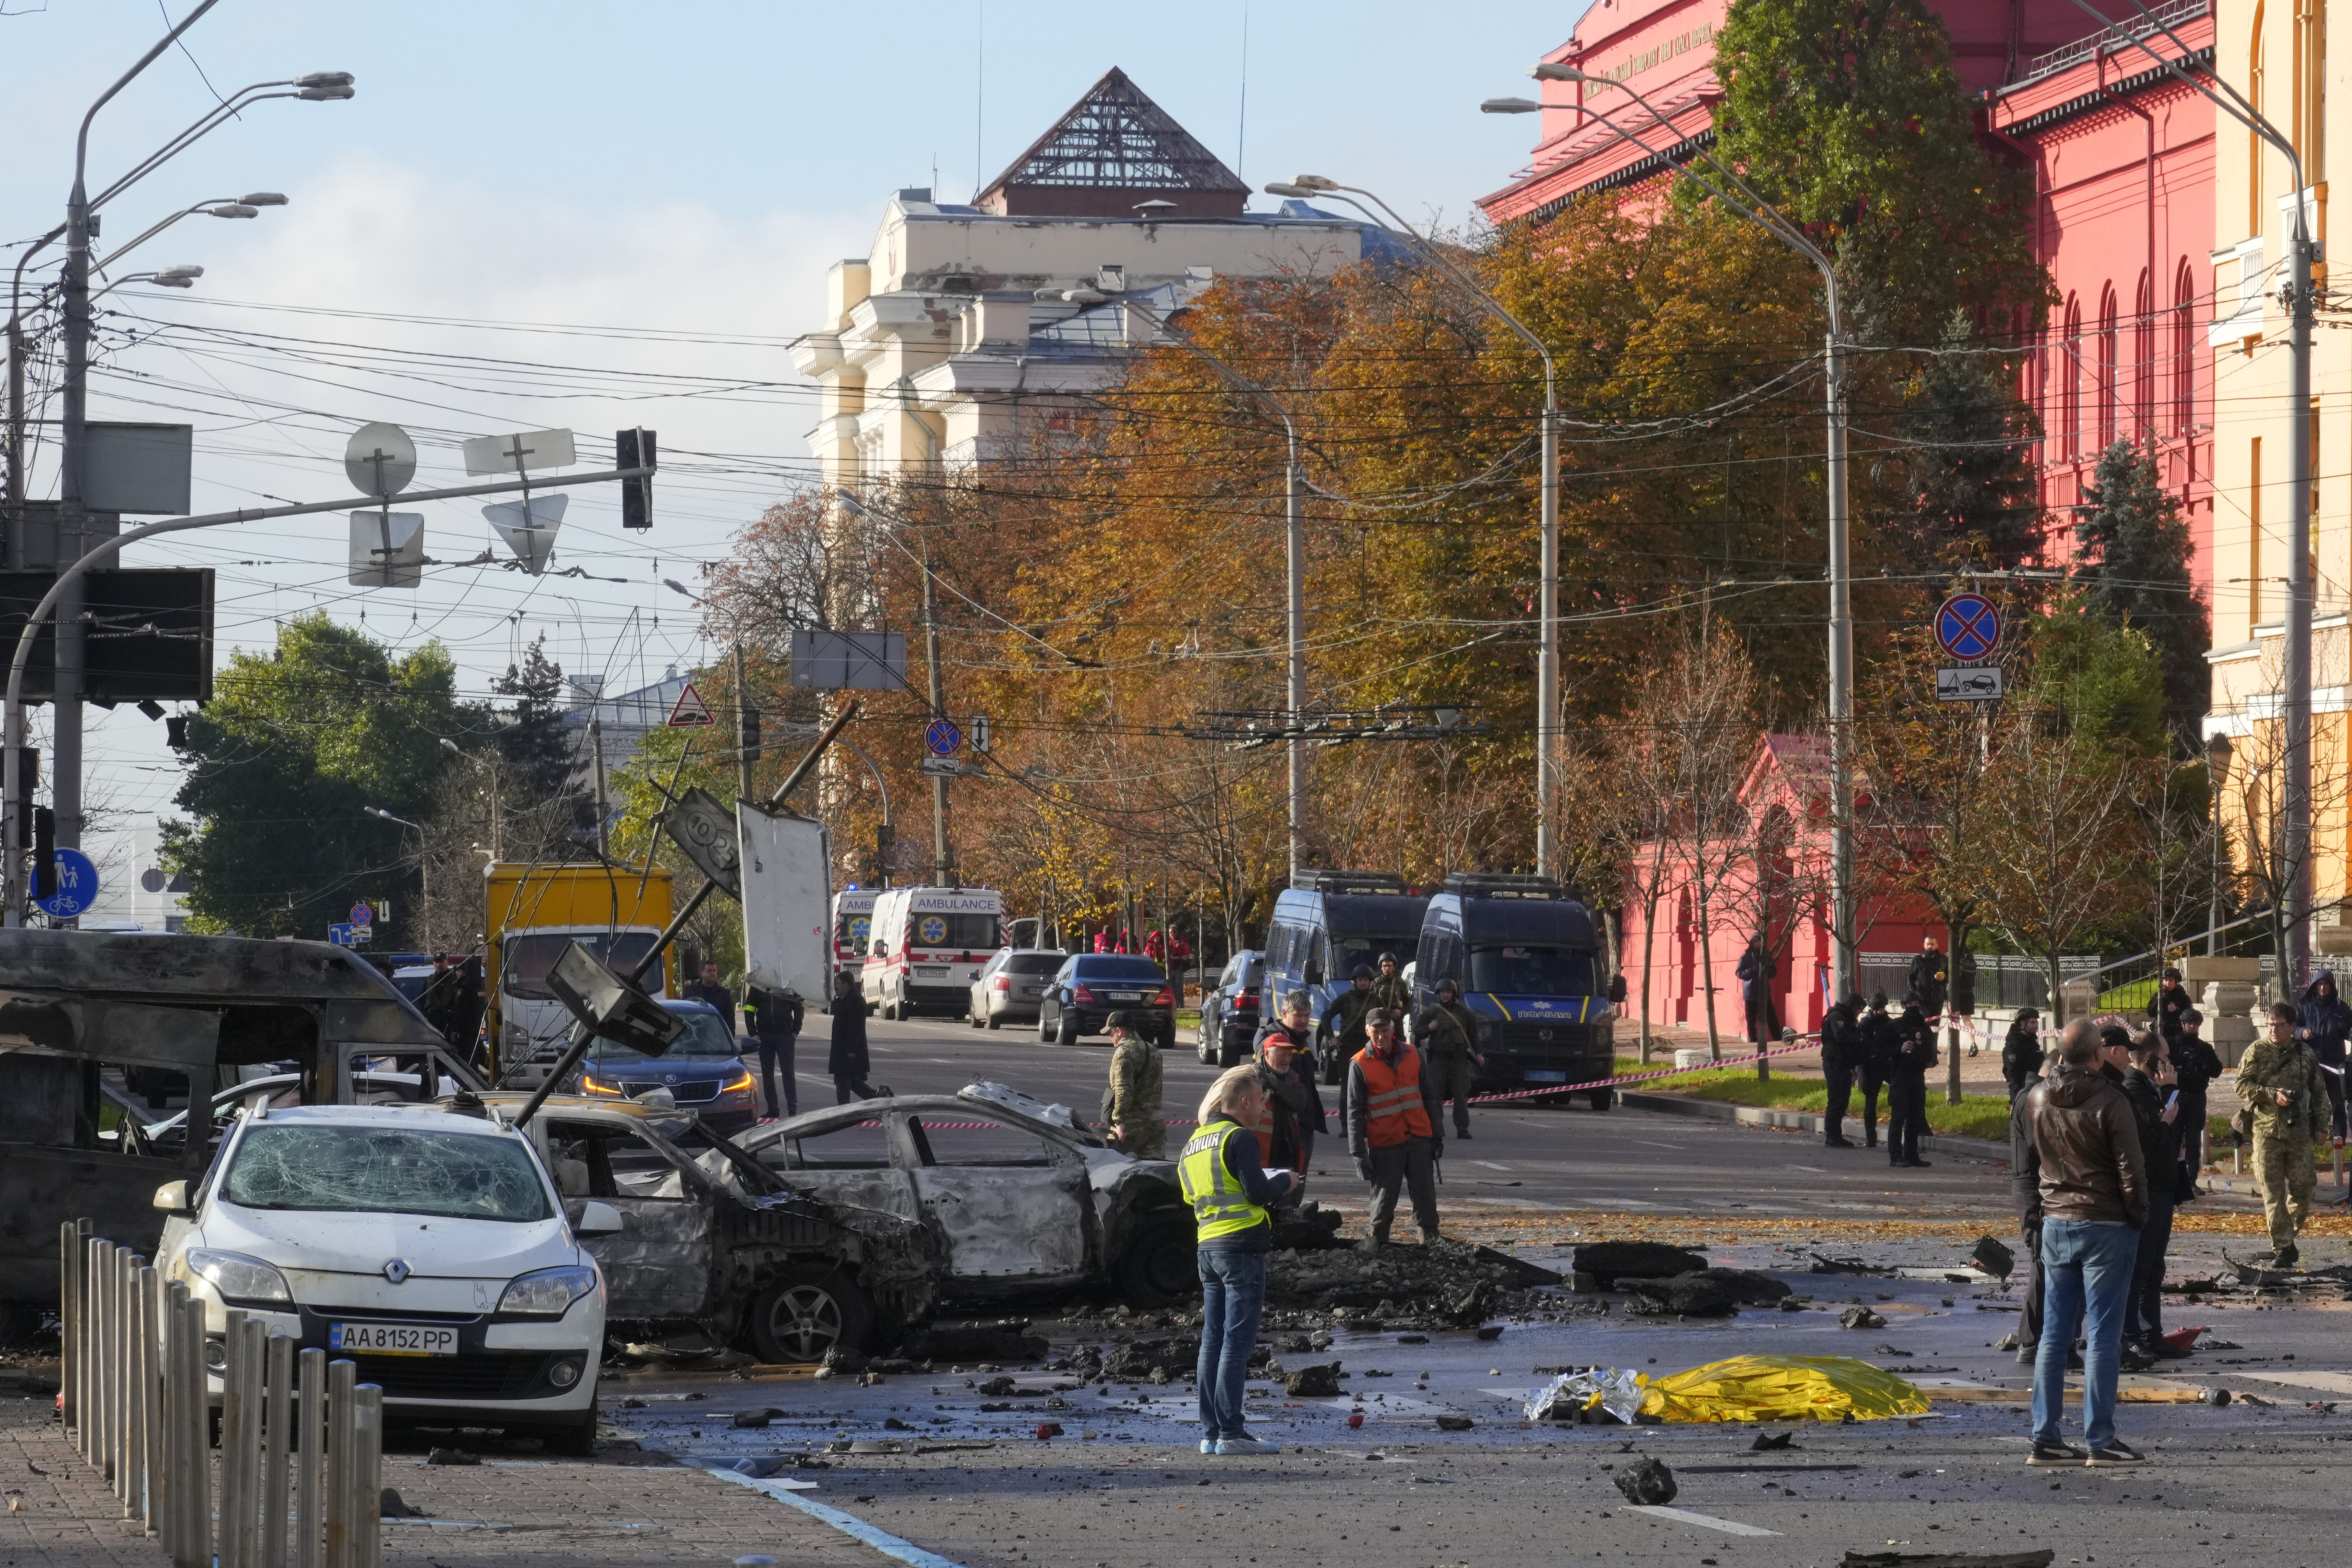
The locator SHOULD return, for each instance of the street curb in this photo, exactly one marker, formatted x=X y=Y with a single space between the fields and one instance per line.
x=1983 y=1149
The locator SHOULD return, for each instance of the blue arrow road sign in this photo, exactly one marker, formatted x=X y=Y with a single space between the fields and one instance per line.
x=943 y=738
x=77 y=886
x=1968 y=627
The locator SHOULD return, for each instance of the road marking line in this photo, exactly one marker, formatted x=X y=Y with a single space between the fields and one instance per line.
x=1490 y=1164
x=1728 y=1526
x=849 y=1524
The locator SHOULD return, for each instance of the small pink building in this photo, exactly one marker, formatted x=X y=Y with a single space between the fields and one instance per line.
x=2121 y=157
x=1784 y=853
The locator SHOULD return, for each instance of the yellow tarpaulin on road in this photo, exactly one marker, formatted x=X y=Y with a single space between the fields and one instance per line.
x=1783 y=1388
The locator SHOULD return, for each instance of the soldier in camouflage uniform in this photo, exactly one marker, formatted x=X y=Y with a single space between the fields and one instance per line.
x=1447 y=1034
x=1390 y=991
x=1131 y=1103
x=2287 y=1103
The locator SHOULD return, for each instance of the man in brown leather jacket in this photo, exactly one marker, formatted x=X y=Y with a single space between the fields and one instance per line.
x=2093 y=1202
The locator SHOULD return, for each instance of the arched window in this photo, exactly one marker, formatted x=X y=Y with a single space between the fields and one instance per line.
x=2107 y=369
x=2184 y=349
x=2311 y=88
x=2070 y=383
x=2144 y=359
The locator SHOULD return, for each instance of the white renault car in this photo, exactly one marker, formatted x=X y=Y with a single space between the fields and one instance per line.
x=427 y=1244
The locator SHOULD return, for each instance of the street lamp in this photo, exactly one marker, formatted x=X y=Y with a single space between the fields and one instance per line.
x=1841 y=651
x=2294 y=890
x=169 y=277
x=423 y=871
x=247 y=206
x=73 y=435
x=1548 y=605
x=1294 y=552
x=2217 y=769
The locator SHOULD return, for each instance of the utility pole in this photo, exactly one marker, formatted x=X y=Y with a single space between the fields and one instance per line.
x=942 y=861
x=596 y=750
x=747 y=731
x=1294 y=663
x=65 y=776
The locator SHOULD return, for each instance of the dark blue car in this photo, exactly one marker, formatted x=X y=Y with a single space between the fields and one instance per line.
x=703 y=1073
x=1089 y=987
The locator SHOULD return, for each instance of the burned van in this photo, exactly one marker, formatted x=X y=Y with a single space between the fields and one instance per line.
x=103 y=1036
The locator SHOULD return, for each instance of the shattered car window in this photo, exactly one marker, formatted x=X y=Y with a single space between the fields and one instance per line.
x=386 y=1170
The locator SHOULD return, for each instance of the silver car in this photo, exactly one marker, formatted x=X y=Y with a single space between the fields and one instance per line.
x=1012 y=985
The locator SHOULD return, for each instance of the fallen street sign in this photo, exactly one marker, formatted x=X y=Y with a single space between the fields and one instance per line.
x=1969 y=683
x=705 y=830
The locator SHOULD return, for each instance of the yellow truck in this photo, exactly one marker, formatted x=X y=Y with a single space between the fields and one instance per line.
x=532 y=912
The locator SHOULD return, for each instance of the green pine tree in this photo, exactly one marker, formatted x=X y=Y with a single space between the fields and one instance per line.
x=1973 y=494
x=2132 y=553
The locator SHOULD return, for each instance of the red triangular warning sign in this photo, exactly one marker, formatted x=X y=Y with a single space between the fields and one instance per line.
x=691 y=712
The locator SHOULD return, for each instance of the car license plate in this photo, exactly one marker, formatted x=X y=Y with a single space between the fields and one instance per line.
x=930 y=969
x=1546 y=1077
x=1127 y=995
x=393 y=1339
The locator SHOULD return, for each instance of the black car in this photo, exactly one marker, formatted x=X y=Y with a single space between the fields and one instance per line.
x=1089 y=988
x=1230 y=1011
x=703 y=1072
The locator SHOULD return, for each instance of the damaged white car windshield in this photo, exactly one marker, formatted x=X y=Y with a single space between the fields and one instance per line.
x=386 y=1170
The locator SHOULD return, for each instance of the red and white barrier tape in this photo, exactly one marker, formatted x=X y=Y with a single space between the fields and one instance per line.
x=1804 y=1043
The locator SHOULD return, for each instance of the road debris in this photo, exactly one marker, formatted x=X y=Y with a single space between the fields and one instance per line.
x=1455 y=1423
x=452 y=1457
x=1993 y=1258
x=1768 y=1441
x=1609 y=1261
x=2041 y=1559
x=1860 y=1318
x=1613 y=1397
x=1647 y=1483
x=1314 y=1382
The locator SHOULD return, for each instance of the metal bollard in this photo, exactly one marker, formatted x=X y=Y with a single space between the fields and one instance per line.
x=343 y=1378
x=136 y=1364
x=92 y=1397
x=311 y=1445
x=192 y=1505
x=240 y=1424
x=278 y=1385
x=367 y=1463
x=69 y=1321
x=166 y=1486
x=152 y=1304
x=109 y=1377
x=123 y=1263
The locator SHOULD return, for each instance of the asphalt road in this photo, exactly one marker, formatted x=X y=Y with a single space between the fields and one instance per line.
x=1519 y=1156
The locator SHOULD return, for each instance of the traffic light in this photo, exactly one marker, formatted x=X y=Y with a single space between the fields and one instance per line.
x=882 y=856
x=176 y=732
x=634 y=449
x=45 y=853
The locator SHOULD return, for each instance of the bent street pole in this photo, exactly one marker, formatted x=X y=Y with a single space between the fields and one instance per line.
x=69 y=579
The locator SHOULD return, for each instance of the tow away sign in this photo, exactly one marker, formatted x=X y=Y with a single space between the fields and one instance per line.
x=1969 y=683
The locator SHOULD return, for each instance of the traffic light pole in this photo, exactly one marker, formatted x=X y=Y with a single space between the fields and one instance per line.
x=70 y=579
x=942 y=860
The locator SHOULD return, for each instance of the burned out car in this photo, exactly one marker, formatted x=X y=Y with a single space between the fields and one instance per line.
x=101 y=1031
x=844 y=1227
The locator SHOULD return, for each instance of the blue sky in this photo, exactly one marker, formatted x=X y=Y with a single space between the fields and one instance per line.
x=684 y=173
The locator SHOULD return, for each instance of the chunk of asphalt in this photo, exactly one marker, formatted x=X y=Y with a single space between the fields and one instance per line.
x=1455 y=1423
x=1860 y=1318
x=1314 y=1382
x=1765 y=1440
x=2041 y=1559
x=1647 y=1482
x=452 y=1457
x=390 y=1506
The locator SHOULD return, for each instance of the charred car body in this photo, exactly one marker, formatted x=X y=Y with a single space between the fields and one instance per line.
x=846 y=1226
x=92 y=1024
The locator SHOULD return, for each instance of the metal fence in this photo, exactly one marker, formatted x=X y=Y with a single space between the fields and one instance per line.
x=138 y=1406
x=2003 y=980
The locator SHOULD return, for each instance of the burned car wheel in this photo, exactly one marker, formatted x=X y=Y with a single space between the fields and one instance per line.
x=1161 y=1266
x=807 y=1311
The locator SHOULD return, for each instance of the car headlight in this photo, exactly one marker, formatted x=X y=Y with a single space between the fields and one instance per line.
x=739 y=1086
x=589 y=1082
x=238 y=1278
x=548 y=1292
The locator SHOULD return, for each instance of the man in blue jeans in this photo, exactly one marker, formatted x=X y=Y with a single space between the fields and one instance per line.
x=2093 y=1202
x=1221 y=1176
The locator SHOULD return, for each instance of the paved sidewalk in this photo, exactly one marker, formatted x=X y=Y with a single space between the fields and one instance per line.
x=625 y=1509
x=58 y=1511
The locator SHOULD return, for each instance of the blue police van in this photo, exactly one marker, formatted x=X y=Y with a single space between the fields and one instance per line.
x=1324 y=925
x=1526 y=956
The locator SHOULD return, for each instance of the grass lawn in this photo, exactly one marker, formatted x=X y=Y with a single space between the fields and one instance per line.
x=1977 y=1115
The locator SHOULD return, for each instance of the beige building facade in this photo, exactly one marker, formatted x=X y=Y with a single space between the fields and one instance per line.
x=2276 y=53
x=935 y=349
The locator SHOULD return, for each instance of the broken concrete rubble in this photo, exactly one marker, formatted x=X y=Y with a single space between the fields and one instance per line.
x=1609 y=1261
x=1647 y=1482
x=1443 y=1281
x=1001 y=1340
x=1693 y=1295
x=1314 y=1382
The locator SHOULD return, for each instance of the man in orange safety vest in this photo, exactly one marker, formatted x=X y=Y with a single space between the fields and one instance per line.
x=1393 y=1127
